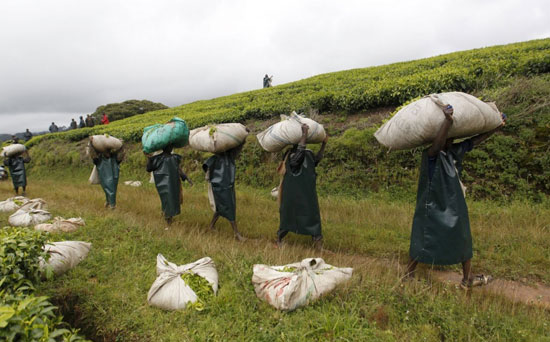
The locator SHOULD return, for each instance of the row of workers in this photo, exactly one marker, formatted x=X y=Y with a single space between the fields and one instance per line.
x=440 y=230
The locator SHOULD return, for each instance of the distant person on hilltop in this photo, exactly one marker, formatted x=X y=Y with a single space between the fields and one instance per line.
x=54 y=128
x=90 y=121
x=73 y=124
x=27 y=135
x=441 y=227
x=267 y=81
x=81 y=124
x=105 y=119
x=16 y=165
x=299 y=206
x=220 y=175
x=168 y=176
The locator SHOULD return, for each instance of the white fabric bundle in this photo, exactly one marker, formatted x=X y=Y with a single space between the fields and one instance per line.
x=170 y=292
x=290 y=290
x=30 y=214
x=133 y=183
x=289 y=132
x=13 y=149
x=60 y=224
x=65 y=255
x=418 y=123
x=12 y=204
x=105 y=142
x=217 y=138
x=94 y=177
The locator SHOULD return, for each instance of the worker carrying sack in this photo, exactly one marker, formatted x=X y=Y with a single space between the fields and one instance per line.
x=294 y=285
x=171 y=292
x=157 y=137
x=289 y=132
x=65 y=255
x=218 y=138
x=12 y=150
x=105 y=143
x=418 y=123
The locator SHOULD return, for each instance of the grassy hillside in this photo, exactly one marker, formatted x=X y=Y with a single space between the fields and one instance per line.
x=351 y=104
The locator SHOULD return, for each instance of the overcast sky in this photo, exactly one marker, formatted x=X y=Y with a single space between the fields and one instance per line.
x=61 y=59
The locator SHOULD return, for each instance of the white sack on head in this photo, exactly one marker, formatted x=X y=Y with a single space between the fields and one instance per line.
x=12 y=204
x=287 y=291
x=170 y=292
x=65 y=255
x=60 y=224
x=13 y=149
x=289 y=132
x=105 y=143
x=418 y=123
x=217 y=138
x=94 y=177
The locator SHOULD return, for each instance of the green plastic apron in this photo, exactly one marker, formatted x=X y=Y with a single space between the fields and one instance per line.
x=299 y=210
x=17 y=171
x=441 y=227
x=221 y=169
x=108 y=170
x=168 y=183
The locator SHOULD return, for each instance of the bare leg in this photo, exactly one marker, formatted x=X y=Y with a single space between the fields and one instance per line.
x=317 y=242
x=214 y=220
x=24 y=193
x=16 y=190
x=411 y=267
x=467 y=270
x=169 y=220
x=238 y=235
x=280 y=235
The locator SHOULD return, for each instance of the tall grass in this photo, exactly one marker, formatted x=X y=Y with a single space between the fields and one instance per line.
x=106 y=294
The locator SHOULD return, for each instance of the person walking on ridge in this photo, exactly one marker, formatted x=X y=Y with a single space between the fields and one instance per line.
x=441 y=227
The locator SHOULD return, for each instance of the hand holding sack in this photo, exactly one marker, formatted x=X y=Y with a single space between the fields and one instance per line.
x=418 y=123
x=12 y=150
x=217 y=138
x=157 y=137
x=294 y=285
x=289 y=132
x=65 y=255
x=170 y=292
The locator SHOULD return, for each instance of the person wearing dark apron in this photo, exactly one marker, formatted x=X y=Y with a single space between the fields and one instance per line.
x=220 y=175
x=16 y=165
x=441 y=226
x=108 y=169
x=168 y=175
x=299 y=206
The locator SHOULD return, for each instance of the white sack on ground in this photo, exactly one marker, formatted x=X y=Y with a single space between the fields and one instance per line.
x=13 y=149
x=25 y=218
x=289 y=132
x=105 y=142
x=65 y=255
x=133 y=183
x=94 y=177
x=418 y=123
x=217 y=138
x=12 y=204
x=290 y=290
x=35 y=203
x=170 y=292
x=60 y=224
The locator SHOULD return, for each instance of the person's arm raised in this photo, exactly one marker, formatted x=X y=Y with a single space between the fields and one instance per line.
x=441 y=138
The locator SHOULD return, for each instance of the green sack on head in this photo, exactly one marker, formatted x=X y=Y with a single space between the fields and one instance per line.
x=157 y=137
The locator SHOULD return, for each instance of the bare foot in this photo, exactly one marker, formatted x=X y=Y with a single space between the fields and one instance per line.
x=240 y=238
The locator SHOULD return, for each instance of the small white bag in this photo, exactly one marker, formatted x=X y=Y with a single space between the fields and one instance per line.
x=290 y=290
x=94 y=177
x=170 y=292
x=65 y=255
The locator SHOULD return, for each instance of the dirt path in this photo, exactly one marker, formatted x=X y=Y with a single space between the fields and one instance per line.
x=517 y=292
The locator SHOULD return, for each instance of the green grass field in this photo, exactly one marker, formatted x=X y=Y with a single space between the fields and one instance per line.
x=106 y=294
